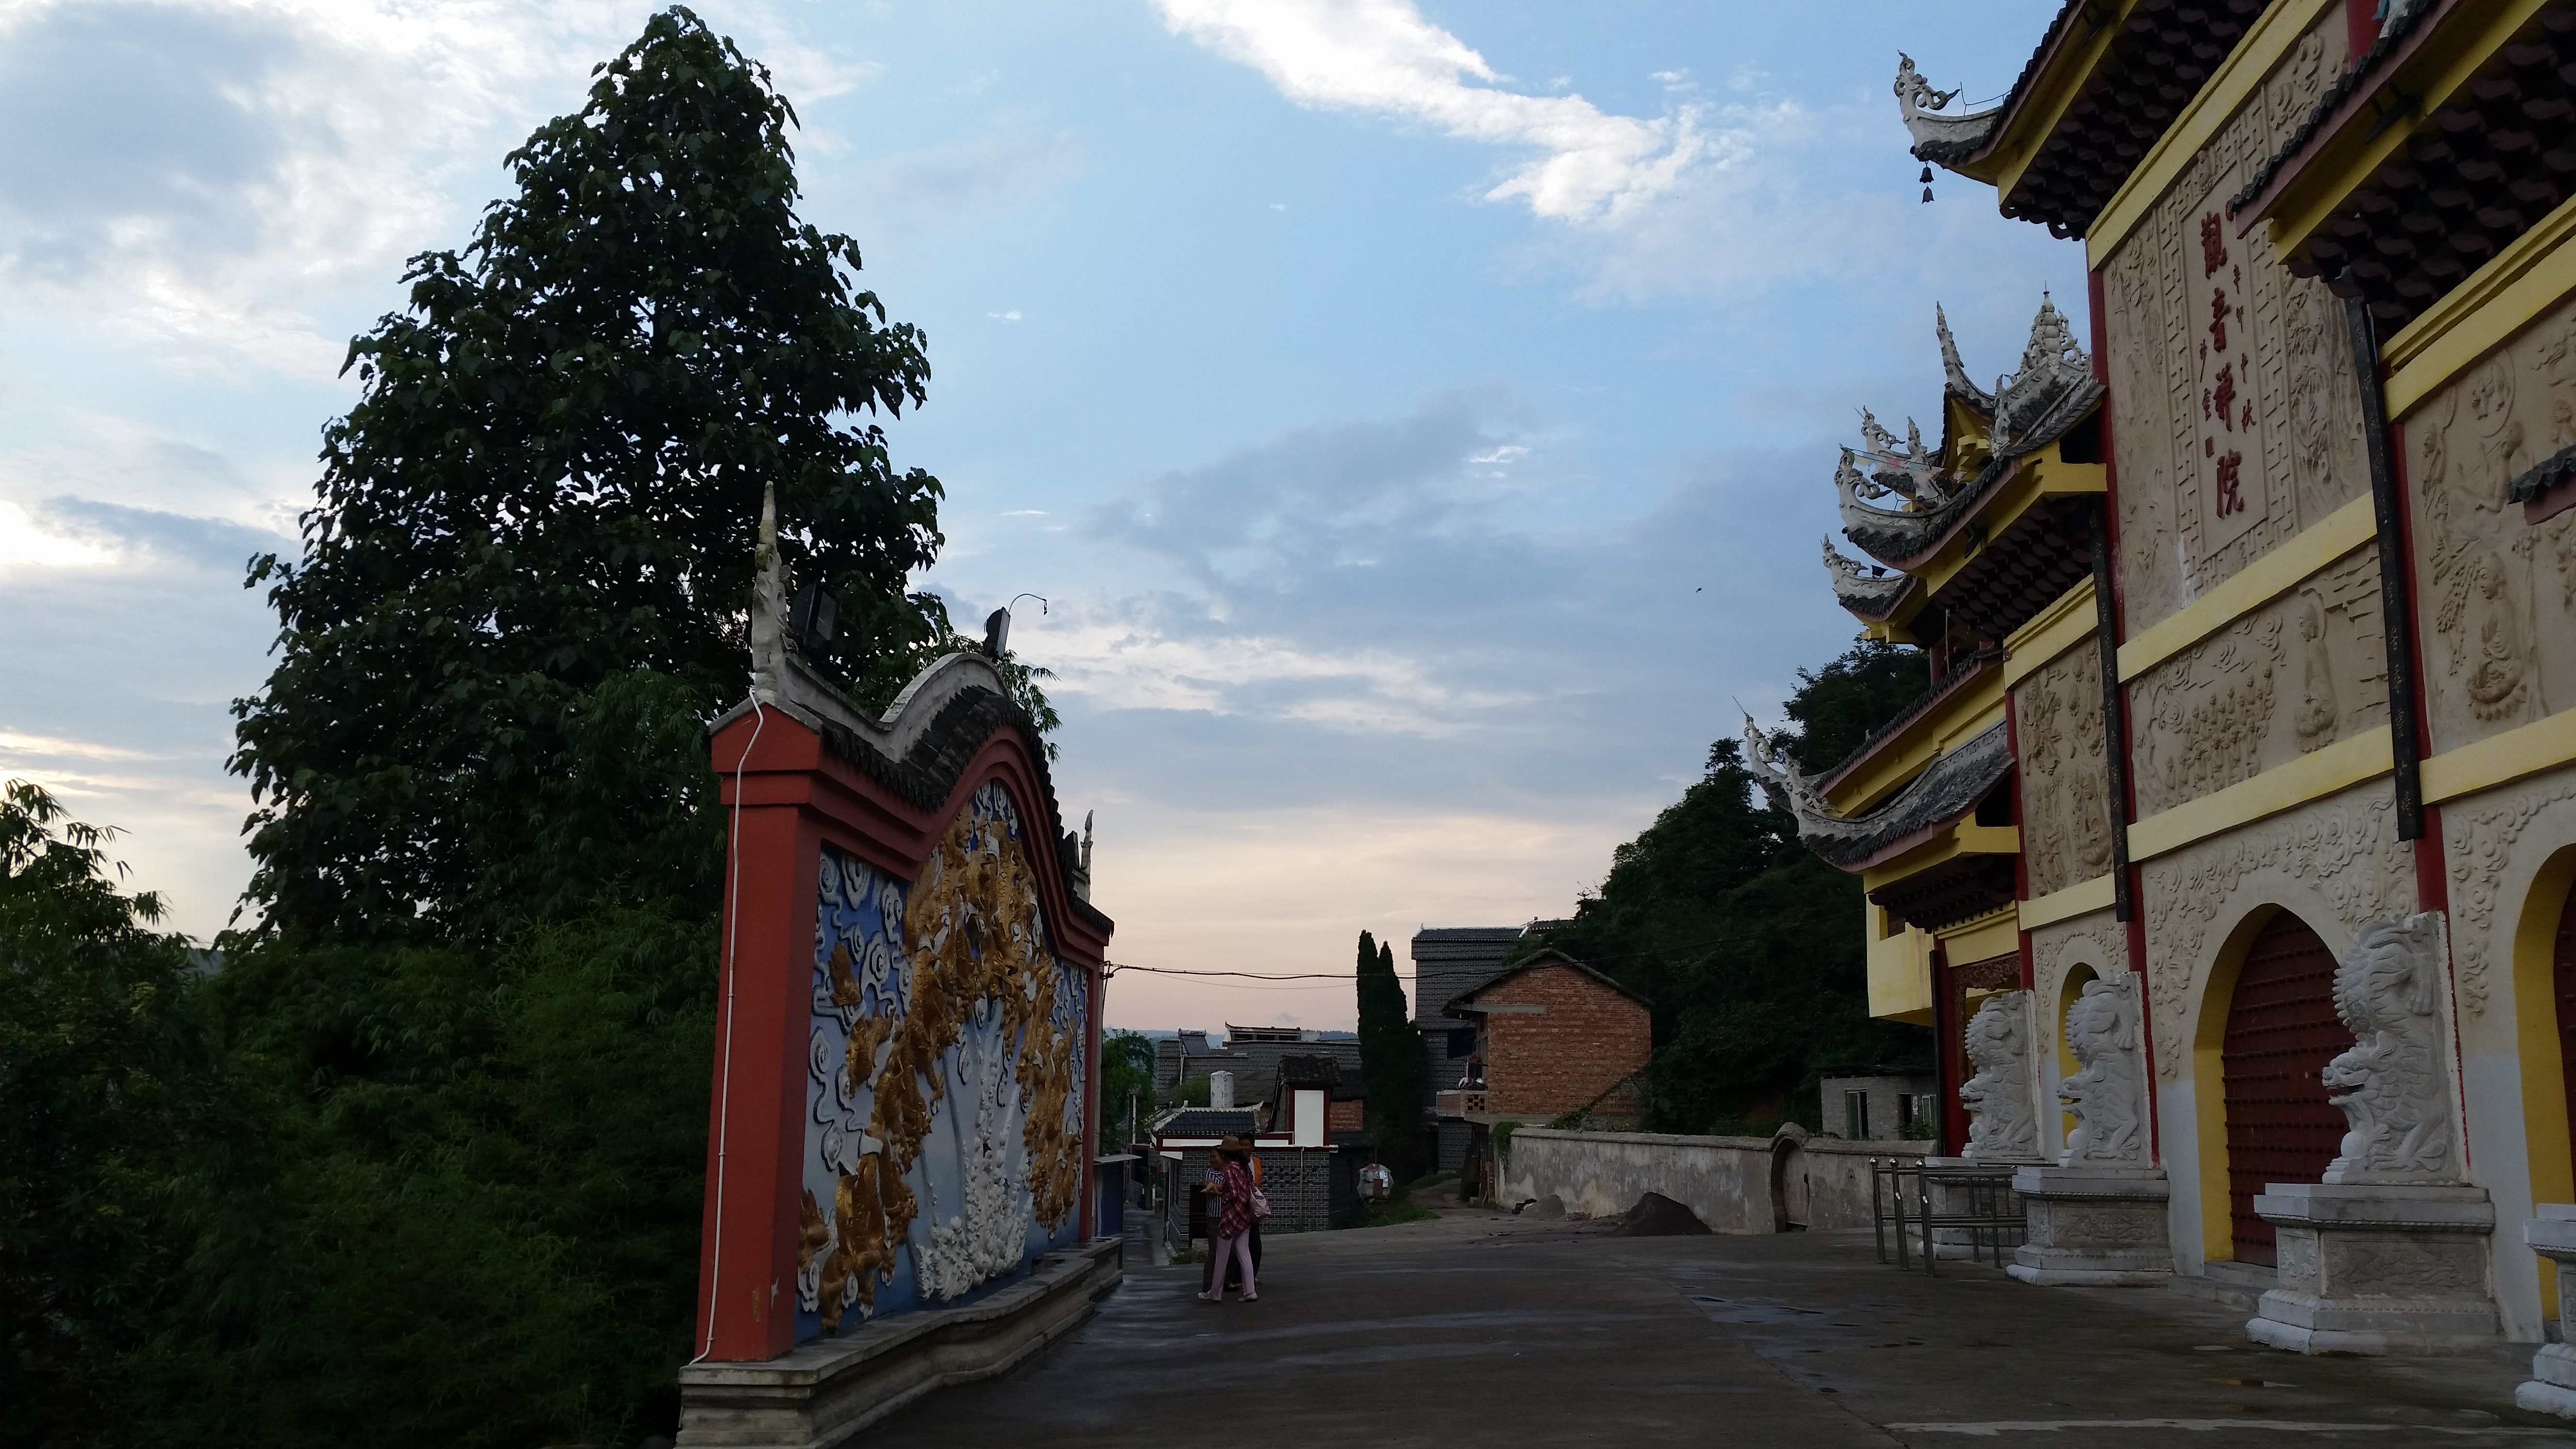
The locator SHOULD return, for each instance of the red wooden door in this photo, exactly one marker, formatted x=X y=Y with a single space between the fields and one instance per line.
x=2281 y=1031
x=2562 y=984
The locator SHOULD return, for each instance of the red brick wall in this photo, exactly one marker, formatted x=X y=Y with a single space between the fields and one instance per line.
x=1549 y=1062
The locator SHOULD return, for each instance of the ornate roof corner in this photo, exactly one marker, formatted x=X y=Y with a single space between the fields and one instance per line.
x=1955 y=372
x=2052 y=392
x=1870 y=591
x=1938 y=138
x=1939 y=797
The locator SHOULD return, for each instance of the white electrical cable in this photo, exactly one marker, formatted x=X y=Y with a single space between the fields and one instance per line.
x=724 y=1091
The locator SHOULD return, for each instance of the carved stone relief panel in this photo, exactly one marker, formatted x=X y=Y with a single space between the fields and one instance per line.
x=2235 y=418
x=2065 y=786
x=2340 y=855
x=2488 y=839
x=2498 y=595
x=2294 y=676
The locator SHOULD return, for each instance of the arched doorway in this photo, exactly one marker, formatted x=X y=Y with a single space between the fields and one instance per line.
x=2068 y=993
x=2281 y=1031
x=2562 y=986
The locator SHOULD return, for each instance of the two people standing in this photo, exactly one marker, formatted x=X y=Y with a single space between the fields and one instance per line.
x=1232 y=1177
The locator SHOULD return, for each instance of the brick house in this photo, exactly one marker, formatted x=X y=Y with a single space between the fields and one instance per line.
x=1554 y=1036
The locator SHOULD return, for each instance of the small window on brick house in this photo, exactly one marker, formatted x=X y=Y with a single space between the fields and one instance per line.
x=1462 y=1042
x=1856 y=1116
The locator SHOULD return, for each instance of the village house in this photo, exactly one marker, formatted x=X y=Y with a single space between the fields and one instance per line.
x=2246 y=769
x=1553 y=1039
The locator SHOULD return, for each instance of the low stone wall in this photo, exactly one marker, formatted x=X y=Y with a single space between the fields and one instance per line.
x=1728 y=1181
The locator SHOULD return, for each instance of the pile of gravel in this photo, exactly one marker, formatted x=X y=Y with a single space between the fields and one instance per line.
x=1657 y=1216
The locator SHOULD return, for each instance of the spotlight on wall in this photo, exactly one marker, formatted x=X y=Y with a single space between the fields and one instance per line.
x=811 y=617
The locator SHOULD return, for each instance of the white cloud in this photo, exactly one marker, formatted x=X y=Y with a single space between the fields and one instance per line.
x=1382 y=56
x=24 y=543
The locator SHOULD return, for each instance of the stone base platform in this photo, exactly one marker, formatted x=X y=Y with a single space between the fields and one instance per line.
x=2378 y=1269
x=2093 y=1227
x=2551 y=1232
x=827 y=1392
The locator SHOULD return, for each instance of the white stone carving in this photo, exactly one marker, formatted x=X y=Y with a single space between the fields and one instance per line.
x=2002 y=1126
x=2346 y=846
x=2108 y=1097
x=2481 y=842
x=768 y=607
x=989 y=1235
x=2393 y=1085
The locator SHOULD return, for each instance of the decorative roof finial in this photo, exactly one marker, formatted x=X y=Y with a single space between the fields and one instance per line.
x=768 y=605
x=1954 y=371
x=1939 y=135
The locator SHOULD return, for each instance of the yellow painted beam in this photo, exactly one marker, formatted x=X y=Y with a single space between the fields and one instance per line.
x=2500 y=759
x=1965 y=838
x=2244 y=71
x=2010 y=153
x=2065 y=905
x=1902 y=756
x=2035 y=478
x=2071 y=620
x=2338 y=766
x=2531 y=275
x=2251 y=587
x=2450 y=55
x=1900 y=969
x=1983 y=940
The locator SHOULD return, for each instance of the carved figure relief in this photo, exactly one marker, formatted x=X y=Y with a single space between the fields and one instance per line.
x=2235 y=420
x=2345 y=846
x=2066 y=817
x=2108 y=1097
x=2002 y=1126
x=2500 y=640
x=944 y=1131
x=2213 y=714
x=2393 y=1085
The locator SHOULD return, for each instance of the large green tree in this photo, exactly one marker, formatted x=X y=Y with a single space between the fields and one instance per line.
x=553 y=476
x=1747 y=944
x=108 y=1090
x=1391 y=1059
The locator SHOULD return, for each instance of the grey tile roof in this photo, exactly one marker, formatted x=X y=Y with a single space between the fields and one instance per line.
x=1451 y=959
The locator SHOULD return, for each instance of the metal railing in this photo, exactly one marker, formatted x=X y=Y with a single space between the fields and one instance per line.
x=1977 y=1205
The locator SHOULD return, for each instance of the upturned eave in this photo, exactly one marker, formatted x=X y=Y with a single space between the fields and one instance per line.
x=1971 y=703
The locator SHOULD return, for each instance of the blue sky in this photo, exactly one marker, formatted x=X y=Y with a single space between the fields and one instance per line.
x=1419 y=417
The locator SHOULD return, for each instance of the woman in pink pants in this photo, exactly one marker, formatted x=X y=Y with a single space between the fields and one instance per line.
x=1234 y=1219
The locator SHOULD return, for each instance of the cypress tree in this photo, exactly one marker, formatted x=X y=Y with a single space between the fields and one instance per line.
x=1390 y=1058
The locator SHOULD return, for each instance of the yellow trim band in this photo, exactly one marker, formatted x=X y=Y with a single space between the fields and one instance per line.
x=2501 y=759
x=2499 y=299
x=1984 y=941
x=2338 y=766
x=2251 y=587
x=2243 y=73
x=2076 y=900
x=2051 y=632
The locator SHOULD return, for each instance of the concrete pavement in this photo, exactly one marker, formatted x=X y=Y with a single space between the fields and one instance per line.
x=1494 y=1331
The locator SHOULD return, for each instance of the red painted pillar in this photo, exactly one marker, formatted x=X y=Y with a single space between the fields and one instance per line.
x=747 y=1252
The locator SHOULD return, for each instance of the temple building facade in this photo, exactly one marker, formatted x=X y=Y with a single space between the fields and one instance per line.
x=2230 y=850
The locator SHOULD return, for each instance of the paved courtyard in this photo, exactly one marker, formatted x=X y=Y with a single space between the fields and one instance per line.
x=1487 y=1330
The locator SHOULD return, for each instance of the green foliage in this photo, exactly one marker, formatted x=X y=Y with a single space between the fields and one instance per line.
x=474 y=1214
x=1391 y=1058
x=1749 y=947
x=1126 y=1065
x=1193 y=1091
x=554 y=474
x=108 y=1086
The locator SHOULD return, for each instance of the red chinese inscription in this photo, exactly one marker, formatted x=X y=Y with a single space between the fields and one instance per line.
x=2218 y=318
x=2213 y=245
x=2231 y=498
x=2224 y=395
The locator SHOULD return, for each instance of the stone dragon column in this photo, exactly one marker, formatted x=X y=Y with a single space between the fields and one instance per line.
x=2098 y=1216
x=2389 y=1253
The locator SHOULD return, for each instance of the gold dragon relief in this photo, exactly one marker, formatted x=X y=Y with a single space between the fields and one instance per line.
x=2499 y=592
x=948 y=1074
